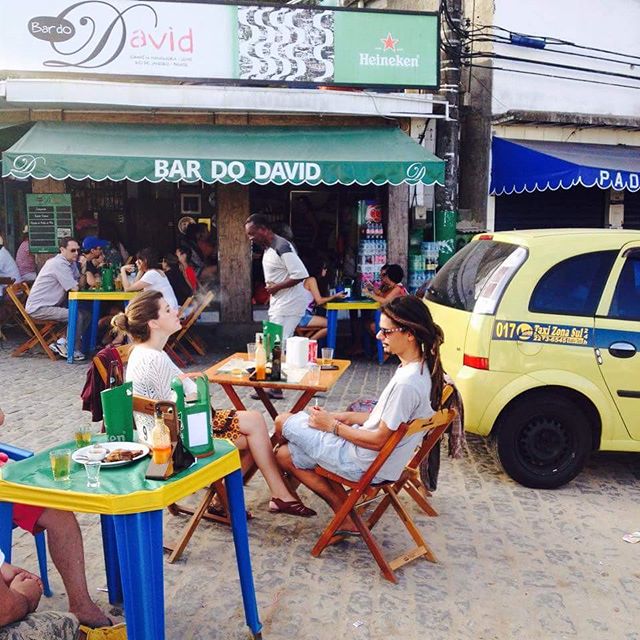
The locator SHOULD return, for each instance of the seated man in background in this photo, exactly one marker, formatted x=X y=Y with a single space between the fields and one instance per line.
x=8 y=266
x=25 y=259
x=20 y=591
x=48 y=297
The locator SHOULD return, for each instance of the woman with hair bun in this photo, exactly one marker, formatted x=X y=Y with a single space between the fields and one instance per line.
x=150 y=320
x=348 y=442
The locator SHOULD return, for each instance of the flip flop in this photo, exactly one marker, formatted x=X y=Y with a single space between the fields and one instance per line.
x=292 y=508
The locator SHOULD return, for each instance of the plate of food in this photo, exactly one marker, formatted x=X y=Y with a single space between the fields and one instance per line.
x=111 y=454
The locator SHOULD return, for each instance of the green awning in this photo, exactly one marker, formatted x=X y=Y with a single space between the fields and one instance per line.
x=261 y=155
x=10 y=133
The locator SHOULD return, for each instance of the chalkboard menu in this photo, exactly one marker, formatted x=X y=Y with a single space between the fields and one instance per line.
x=50 y=218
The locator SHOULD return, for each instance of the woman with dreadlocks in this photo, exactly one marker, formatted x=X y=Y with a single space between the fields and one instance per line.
x=348 y=442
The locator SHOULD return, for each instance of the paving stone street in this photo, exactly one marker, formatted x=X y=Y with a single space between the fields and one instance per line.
x=513 y=562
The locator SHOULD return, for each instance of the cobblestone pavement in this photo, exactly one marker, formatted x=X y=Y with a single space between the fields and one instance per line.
x=513 y=562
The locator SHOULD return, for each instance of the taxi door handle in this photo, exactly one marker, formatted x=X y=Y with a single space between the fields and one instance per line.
x=622 y=350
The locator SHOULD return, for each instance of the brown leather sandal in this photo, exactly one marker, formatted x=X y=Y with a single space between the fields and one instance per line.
x=292 y=508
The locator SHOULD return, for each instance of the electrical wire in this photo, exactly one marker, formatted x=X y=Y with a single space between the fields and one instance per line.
x=555 y=65
x=545 y=75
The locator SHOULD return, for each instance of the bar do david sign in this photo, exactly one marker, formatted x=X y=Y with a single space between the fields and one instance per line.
x=288 y=44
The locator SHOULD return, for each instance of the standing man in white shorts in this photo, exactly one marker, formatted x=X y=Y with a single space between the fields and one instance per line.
x=284 y=274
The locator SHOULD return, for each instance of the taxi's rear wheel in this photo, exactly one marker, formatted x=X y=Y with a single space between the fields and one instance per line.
x=543 y=441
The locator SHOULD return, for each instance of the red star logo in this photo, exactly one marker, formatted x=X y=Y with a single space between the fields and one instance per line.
x=389 y=42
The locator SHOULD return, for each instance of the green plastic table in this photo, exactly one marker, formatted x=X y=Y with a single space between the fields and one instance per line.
x=131 y=507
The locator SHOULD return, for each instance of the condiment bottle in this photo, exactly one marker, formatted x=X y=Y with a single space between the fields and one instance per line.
x=261 y=358
x=276 y=359
x=160 y=439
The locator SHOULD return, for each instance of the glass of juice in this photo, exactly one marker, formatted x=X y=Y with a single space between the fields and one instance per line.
x=60 y=464
x=83 y=437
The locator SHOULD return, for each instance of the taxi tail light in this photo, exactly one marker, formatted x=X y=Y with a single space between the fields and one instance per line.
x=496 y=283
x=475 y=362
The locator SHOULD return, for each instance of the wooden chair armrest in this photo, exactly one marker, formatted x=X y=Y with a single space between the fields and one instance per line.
x=144 y=405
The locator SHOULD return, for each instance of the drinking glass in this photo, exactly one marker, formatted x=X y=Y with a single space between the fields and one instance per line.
x=313 y=373
x=83 y=437
x=327 y=355
x=92 y=467
x=60 y=464
x=251 y=350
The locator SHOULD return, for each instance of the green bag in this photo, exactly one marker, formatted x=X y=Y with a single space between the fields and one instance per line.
x=270 y=330
x=117 y=410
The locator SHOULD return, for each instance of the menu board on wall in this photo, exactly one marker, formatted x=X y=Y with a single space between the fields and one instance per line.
x=50 y=218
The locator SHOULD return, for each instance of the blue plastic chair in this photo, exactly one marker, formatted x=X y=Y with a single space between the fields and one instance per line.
x=16 y=453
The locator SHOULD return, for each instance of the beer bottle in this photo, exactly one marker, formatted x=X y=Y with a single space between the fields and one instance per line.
x=276 y=359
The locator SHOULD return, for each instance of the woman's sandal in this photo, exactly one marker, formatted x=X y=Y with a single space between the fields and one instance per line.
x=292 y=508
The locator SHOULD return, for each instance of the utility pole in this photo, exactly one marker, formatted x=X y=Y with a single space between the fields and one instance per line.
x=448 y=131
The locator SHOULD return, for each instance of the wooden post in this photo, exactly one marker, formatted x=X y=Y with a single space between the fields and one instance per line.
x=398 y=226
x=234 y=253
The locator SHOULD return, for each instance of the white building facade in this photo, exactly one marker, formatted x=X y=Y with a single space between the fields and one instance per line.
x=551 y=129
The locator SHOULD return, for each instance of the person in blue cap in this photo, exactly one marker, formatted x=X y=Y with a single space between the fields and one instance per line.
x=92 y=259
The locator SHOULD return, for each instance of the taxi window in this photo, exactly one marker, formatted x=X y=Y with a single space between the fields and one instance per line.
x=626 y=299
x=459 y=283
x=573 y=287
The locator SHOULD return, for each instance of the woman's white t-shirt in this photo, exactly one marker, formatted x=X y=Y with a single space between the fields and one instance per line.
x=159 y=282
x=152 y=372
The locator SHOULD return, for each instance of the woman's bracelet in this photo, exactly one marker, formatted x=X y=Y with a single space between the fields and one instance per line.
x=336 y=424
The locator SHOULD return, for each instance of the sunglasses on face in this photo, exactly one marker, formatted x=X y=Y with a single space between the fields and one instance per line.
x=386 y=332
x=74 y=250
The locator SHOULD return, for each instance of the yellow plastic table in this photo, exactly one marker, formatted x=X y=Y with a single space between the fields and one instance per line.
x=131 y=507
x=95 y=297
x=350 y=305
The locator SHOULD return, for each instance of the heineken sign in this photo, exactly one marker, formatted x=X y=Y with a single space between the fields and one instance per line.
x=274 y=44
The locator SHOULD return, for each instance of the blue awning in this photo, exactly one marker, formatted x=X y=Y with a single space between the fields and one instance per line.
x=532 y=165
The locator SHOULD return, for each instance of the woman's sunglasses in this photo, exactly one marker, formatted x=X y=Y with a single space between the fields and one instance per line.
x=386 y=332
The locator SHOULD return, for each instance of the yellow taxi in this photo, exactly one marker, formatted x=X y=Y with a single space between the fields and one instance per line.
x=542 y=334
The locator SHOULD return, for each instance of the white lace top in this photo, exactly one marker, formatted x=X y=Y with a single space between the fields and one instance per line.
x=151 y=372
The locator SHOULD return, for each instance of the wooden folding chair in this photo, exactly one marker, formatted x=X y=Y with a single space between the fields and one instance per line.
x=433 y=428
x=147 y=406
x=5 y=311
x=188 y=335
x=410 y=480
x=39 y=331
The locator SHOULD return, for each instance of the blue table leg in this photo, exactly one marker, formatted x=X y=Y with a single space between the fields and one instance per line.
x=95 y=316
x=6 y=529
x=332 y=327
x=233 y=483
x=379 y=344
x=139 y=541
x=41 y=552
x=111 y=564
x=71 y=329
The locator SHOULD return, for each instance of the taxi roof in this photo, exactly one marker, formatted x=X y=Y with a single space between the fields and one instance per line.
x=528 y=237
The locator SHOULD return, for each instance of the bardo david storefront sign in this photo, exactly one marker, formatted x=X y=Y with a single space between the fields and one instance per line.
x=222 y=42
